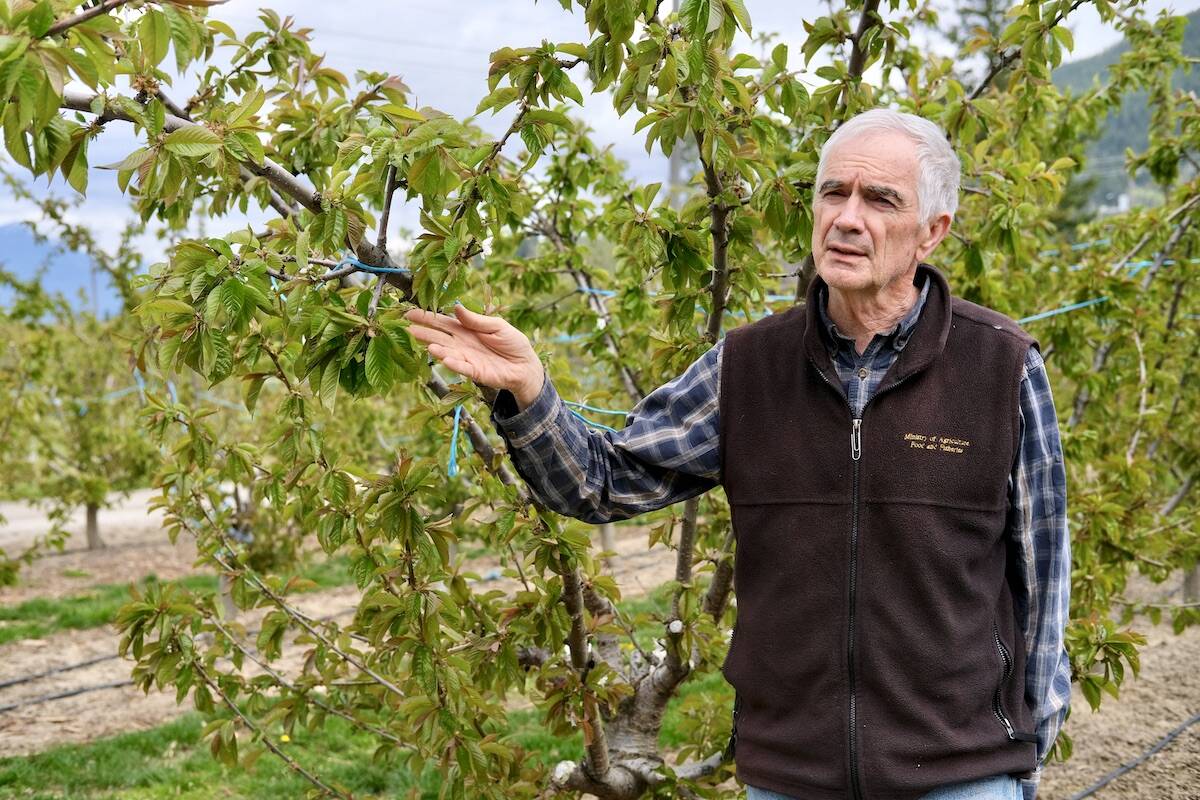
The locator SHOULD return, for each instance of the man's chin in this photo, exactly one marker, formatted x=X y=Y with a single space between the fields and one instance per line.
x=844 y=275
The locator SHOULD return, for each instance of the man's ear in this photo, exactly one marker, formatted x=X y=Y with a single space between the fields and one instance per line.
x=933 y=234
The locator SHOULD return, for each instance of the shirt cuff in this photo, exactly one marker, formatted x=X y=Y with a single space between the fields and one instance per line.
x=522 y=427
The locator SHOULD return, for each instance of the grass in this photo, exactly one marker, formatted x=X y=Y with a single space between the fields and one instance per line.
x=38 y=618
x=172 y=761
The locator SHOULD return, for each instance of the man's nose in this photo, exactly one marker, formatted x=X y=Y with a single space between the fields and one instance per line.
x=849 y=216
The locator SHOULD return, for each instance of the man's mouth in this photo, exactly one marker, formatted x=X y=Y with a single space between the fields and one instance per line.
x=845 y=249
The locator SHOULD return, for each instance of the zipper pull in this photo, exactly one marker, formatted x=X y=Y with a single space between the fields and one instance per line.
x=856 y=440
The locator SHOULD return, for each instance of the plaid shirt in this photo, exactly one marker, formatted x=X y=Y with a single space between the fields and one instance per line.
x=668 y=451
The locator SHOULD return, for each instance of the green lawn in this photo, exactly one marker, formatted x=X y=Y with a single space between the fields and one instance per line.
x=172 y=761
x=35 y=619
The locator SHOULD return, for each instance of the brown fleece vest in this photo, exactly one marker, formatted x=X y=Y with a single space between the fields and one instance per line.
x=877 y=654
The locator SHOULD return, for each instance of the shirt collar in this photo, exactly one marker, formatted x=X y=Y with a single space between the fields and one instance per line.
x=899 y=333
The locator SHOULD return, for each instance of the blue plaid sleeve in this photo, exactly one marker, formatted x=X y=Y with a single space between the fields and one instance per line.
x=1038 y=527
x=667 y=451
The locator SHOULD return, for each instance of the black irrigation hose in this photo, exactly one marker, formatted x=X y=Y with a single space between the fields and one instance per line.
x=46 y=698
x=85 y=689
x=1121 y=770
x=55 y=671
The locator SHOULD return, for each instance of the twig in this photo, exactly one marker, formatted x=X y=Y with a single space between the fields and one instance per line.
x=262 y=736
x=276 y=175
x=389 y=190
x=1142 y=383
x=84 y=16
x=294 y=689
x=1012 y=55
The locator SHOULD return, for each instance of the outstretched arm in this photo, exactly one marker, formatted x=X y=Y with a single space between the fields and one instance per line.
x=666 y=452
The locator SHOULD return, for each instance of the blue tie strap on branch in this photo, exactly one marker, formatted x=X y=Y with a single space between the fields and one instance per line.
x=591 y=422
x=601 y=292
x=113 y=395
x=351 y=261
x=141 y=384
x=171 y=391
x=452 y=464
x=1063 y=310
x=595 y=410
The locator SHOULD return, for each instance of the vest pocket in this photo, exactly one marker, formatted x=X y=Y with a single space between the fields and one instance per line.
x=1006 y=670
x=1006 y=666
x=732 y=745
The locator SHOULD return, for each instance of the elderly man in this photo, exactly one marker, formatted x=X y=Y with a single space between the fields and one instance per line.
x=892 y=461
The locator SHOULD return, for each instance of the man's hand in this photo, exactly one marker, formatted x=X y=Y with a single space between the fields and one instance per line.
x=485 y=349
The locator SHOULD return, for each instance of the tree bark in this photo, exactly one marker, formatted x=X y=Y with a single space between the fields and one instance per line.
x=94 y=542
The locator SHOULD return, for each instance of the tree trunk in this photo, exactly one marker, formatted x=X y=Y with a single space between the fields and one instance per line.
x=608 y=540
x=1191 y=585
x=225 y=587
x=94 y=542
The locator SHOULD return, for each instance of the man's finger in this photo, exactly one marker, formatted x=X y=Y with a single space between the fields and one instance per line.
x=429 y=319
x=430 y=335
x=453 y=360
x=478 y=322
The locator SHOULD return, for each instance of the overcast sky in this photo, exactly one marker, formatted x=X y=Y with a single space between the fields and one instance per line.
x=441 y=52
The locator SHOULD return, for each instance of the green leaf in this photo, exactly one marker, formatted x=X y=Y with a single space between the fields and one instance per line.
x=329 y=385
x=131 y=161
x=779 y=56
x=251 y=390
x=40 y=19
x=167 y=305
x=192 y=140
x=154 y=34
x=380 y=369
x=232 y=297
x=738 y=7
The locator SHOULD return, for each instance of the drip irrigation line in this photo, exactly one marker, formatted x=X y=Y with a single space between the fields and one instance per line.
x=46 y=698
x=55 y=671
x=1126 y=767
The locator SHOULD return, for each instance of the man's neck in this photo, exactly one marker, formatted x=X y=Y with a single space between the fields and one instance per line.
x=861 y=315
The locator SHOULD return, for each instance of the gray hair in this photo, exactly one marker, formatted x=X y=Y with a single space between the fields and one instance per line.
x=938 y=167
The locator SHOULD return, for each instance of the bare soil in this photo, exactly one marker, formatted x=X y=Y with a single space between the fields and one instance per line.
x=96 y=714
x=1166 y=693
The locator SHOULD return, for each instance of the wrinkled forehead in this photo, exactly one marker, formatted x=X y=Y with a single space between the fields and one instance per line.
x=878 y=157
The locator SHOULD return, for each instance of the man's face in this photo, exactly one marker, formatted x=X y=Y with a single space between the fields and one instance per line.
x=867 y=231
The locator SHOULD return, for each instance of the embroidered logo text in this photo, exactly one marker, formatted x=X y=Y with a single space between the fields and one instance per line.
x=934 y=441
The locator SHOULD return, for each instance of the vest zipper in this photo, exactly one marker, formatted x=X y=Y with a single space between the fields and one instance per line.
x=855 y=457
x=1005 y=672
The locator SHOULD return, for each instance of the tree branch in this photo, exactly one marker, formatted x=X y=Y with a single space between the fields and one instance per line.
x=305 y=693
x=389 y=190
x=597 y=749
x=1012 y=55
x=83 y=16
x=1101 y=357
x=287 y=183
x=869 y=19
x=262 y=736
x=285 y=209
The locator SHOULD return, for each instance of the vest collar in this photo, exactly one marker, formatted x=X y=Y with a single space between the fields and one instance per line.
x=925 y=342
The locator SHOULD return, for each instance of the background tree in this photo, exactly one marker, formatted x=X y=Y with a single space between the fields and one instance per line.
x=306 y=314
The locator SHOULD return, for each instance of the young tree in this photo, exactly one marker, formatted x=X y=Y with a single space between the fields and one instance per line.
x=428 y=661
